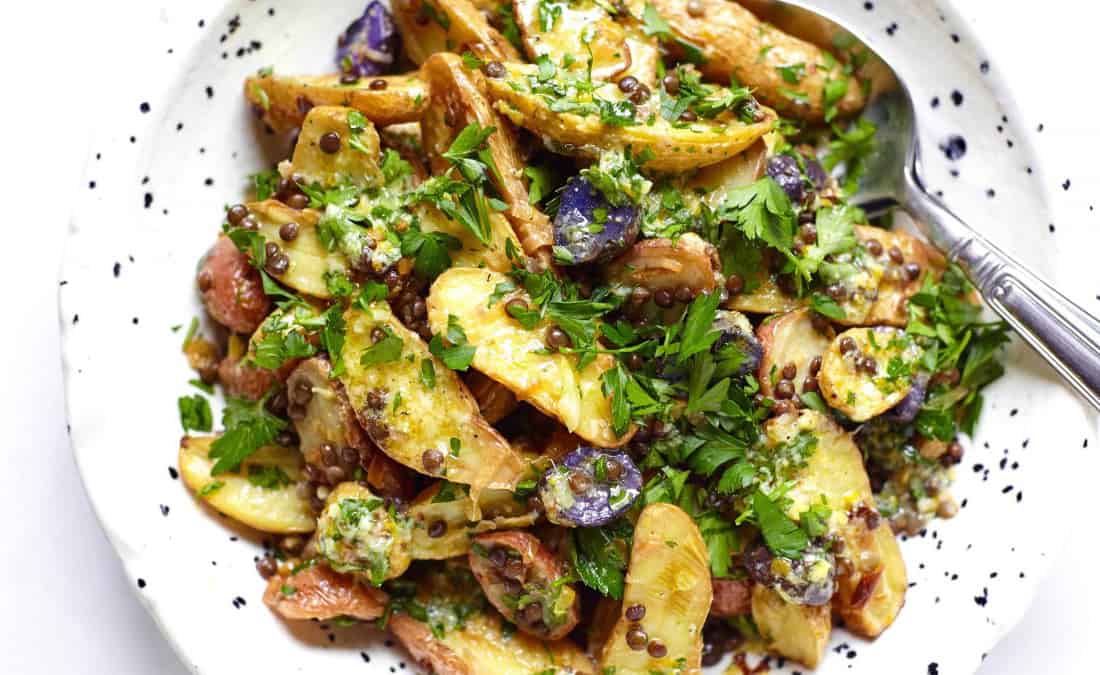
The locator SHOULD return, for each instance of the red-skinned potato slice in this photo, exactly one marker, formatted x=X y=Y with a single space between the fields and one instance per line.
x=319 y=593
x=320 y=411
x=419 y=432
x=513 y=568
x=432 y=26
x=736 y=44
x=480 y=644
x=574 y=21
x=231 y=288
x=243 y=379
x=283 y=101
x=666 y=264
x=669 y=574
x=457 y=99
x=732 y=597
x=390 y=479
x=789 y=338
x=493 y=399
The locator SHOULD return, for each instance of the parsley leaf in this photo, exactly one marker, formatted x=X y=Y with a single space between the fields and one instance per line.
x=456 y=353
x=782 y=535
x=195 y=413
x=600 y=556
x=248 y=427
x=268 y=477
x=386 y=350
x=698 y=335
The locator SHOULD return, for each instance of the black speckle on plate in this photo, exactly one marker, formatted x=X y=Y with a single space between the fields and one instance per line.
x=208 y=182
x=148 y=199
x=1065 y=185
x=173 y=473
x=144 y=107
x=179 y=126
x=891 y=29
x=91 y=185
x=117 y=269
x=869 y=6
x=954 y=147
x=955 y=38
x=957 y=97
x=983 y=599
x=164 y=509
x=933 y=668
x=984 y=67
x=935 y=101
x=141 y=583
x=209 y=92
x=991 y=193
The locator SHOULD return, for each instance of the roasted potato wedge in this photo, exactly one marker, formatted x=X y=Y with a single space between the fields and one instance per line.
x=574 y=24
x=737 y=171
x=877 y=295
x=872 y=586
x=448 y=645
x=309 y=260
x=285 y=100
x=441 y=525
x=435 y=430
x=525 y=582
x=645 y=55
x=666 y=264
x=431 y=27
x=677 y=147
x=317 y=592
x=321 y=413
x=867 y=371
x=277 y=509
x=798 y=632
x=785 y=72
x=493 y=399
x=458 y=98
x=356 y=164
x=669 y=575
x=357 y=532
x=790 y=338
x=517 y=358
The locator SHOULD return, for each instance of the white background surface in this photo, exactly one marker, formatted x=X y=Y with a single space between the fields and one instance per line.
x=67 y=606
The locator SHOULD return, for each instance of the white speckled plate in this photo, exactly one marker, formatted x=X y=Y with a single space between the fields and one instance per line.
x=176 y=143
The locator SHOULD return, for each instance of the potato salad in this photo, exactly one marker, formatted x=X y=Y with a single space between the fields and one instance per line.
x=554 y=345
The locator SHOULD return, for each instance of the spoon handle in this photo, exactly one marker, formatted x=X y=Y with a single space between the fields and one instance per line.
x=1065 y=335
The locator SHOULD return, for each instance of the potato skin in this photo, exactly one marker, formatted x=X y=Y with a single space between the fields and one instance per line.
x=732 y=597
x=658 y=264
x=535 y=576
x=317 y=592
x=457 y=99
x=283 y=101
x=737 y=44
x=467 y=29
x=231 y=288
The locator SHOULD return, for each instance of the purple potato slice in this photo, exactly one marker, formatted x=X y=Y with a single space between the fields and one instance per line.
x=906 y=411
x=588 y=229
x=368 y=46
x=810 y=580
x=590 y=487
x=737 y=331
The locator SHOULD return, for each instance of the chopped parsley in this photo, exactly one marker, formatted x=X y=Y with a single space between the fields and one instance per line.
x=248 y=427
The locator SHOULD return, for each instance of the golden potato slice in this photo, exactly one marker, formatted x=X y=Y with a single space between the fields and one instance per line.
x=645 y=55
x=284 y=100
x=432 y=26
x=436 y=430
x=574 y=28
x=798 y=632
x=669 y=574
x=356 y=160
x=871 y=587
x=480 y=643
x=458 y=99
x=789 y=338
x=309 y=260
x=673 y=148
x=517 y=358
x=867 y=371
x=870 y=595
x=666 y=264
x=317 y=592
x=449 y=505
x=785 y=72
x=277 y=509
x=737 y=171
x=359 y=533
x=877 y=295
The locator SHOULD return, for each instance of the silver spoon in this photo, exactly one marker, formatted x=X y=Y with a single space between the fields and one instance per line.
x=1065 y=335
